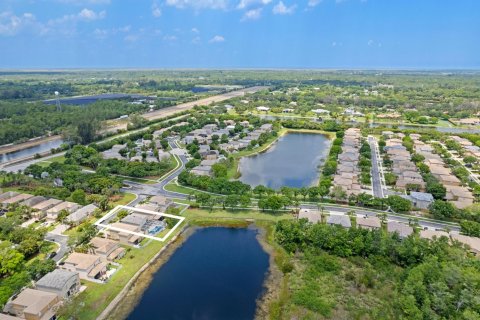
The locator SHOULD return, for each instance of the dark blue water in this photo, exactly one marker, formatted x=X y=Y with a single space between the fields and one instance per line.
x=292 y=161
x=91 y=99
x=218 y=273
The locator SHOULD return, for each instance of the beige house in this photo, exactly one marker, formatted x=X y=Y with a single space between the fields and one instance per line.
x=312 y=216
x=370 y=223
x=108 y=249
x=124 y=237
x=460 y=196
x=88 y=266
x=53 y=212
x=42 y=207
x=432 y=234
x=472 y=242
x=17 y=198
x=33 y=304
x=403 y=230
x=163 y=203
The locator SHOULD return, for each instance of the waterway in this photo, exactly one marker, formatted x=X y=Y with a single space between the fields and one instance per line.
x=292 y=161
x=31 y=151
x=218 y=273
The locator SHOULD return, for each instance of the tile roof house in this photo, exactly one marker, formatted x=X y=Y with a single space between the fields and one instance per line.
x=33 y=304
x=8 y=195
x=340 y=220
x=312 y=216
x=124 y=237
x=136 y=219
x=42 y=207
x=370 y=223
x=108 y=249
x=88 y=266
x=30 y=202
x=63 y=283
x=472 y=242
x=432 y=234
x=162 y=202
x=53 y=212
x=82 y=214
x=402 y=229
x=460 y=196
x=17 y=198
x=420 y=199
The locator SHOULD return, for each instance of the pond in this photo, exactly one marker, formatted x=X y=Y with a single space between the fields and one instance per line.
x=218 y=273
x=292 y=161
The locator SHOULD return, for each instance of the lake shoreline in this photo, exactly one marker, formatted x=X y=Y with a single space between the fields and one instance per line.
x=237 y=174
x=126 y=301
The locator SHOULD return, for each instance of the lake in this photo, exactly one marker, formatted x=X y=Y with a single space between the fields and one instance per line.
x=218 y=273
x=292 y=161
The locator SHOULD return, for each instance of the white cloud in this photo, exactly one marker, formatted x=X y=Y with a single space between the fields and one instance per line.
x=170 y=38
x=313 y=3
x=11 y=24
x=156 y=11
x=84 y=2
x=281 y=8
x=196 y=40
x=243 y=4
x=100 y=33
x=252 y=14
x=131 y=38
x=198 y=4
x=87 y=14
x=217 y=39
x=195 y=30
x=371 y=42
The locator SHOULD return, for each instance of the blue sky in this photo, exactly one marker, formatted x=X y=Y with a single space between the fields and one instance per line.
x=240 y=33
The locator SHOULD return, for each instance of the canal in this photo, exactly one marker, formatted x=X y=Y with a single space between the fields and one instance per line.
x=292 y=161
x=218 y=273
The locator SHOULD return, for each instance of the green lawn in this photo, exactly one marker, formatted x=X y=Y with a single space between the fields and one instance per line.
x=202 y=214
x=90 y=303
x=124 y=200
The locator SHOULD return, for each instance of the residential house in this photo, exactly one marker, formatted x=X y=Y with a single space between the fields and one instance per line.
x=114 y=152
x=370 y=223
x=420 y=200
x=163 y=203
x=42 y=207
x=339 y=220
x=33 y=304
x=30 y=202
x=402 y=229
x=124 y=237
x=136 y=219
x=109 y=250
x=63 y=283
x=16 y=199
x=312 y=216
x=8 y=195
x=88 y=266
x=52 y=213
x=472 y=242
x=81 y=214
x=202 y=170
x=432 y=234
x=460 y=196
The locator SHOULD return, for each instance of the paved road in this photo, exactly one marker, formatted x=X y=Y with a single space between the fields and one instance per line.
x=143 y=190
x=62 y=241
x=376 y=169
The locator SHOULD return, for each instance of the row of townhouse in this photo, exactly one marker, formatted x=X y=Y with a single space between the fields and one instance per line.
x=140 y=146
x=48 y=208
x=403 y=230
x=347 y=175
x=459 y=195
x=405 y=170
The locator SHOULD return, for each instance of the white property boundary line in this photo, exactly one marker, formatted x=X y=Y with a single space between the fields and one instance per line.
x=100 y=224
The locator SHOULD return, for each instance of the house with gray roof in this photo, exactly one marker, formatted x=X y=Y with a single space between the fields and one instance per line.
x=420 y=200
x=339 y=220
x=63 y=283
x=312 y=216
x=82 y=214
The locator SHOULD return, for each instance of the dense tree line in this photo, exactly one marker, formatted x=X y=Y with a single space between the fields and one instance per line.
x=438 y=281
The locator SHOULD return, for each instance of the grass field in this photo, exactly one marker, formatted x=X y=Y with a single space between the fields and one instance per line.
x=123 y=200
